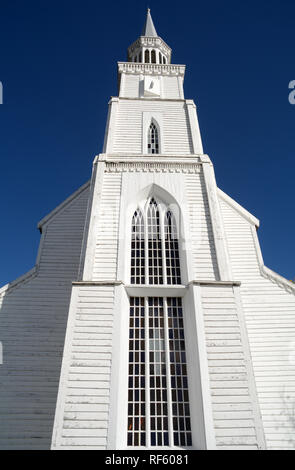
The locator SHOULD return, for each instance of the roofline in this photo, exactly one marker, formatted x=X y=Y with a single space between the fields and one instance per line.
x=235 y=205
x=62 y=206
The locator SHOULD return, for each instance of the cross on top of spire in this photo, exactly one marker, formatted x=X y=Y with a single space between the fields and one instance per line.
x=149 y=28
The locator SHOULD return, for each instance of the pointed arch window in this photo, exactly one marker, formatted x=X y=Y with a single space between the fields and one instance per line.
x=137 y=249
x=158 y=396
x=171 y=249
x=147 y=56
x=153 y=139
x=155 y=256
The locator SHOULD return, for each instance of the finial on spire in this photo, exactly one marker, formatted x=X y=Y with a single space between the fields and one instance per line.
x=149 y=28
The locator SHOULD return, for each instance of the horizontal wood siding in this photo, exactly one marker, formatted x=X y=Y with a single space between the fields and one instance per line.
x=105 y=262
x=131 y=86
x=270 y=318
x=33 y=318
x=176 y=129
x=201 y=234
x=171 y=87
x=232 y=402
x=83 y=403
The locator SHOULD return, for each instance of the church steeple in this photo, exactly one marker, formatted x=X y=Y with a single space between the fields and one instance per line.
x=149 y=28
x=149 y=48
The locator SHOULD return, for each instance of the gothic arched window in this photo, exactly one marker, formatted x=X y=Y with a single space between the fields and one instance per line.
x=137 y=249
x=153 y=139
x=171 y=249
x=155 y=255
x=147 y=56
x=158 y=396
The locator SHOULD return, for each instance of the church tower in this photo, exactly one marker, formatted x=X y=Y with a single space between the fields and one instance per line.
x=150 y=320
x=154 y=263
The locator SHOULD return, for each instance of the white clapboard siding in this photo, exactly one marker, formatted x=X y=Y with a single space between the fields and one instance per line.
x=105 y=260
x=83 y=400
x=130 y=88
x=201 y=234
x=270 y=317
x=176 y=129
x=170 y=86
x=232 y=399
x=33 y=317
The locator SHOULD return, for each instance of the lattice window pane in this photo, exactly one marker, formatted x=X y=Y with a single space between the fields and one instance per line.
x=136 y=435
x=137 y=249
x=158 y=379
x=156 y=330
x=153 y=139
x=172 y=250
x=155 y=257
x=178 y=372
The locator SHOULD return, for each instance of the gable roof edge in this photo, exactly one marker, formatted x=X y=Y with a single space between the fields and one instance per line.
x=236 y=206
x=61 y=206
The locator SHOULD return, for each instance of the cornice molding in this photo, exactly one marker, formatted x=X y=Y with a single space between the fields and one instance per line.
x=277 y=279
x=150 y=41
x=152 y=167
x=151 y=69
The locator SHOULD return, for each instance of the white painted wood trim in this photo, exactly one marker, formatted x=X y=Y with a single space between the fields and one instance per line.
x=269 y=273
x=62 y=388
x=250 y=372
x=98 y=174
x=194 y=127
x=222 y=256
x=111 y=125
x=243 y=212
x=119 y=372
x=204 y=370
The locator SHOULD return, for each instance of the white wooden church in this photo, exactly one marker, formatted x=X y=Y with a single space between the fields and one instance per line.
x=149 y=320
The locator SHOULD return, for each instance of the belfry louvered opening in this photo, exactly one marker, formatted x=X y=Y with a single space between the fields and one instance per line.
x=158 y=396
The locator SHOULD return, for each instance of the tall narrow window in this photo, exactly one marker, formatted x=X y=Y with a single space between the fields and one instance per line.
x=153 y=56
x=158 y=396
x=171 y=250
x=147 y=56
x=153 y=139
x=137 y=249
x=155 y=261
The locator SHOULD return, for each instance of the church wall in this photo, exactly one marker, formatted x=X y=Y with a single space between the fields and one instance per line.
x=33 y=316
x=84 y=395
x=176 y=132
x=105 y=255
x=132 y=86
x=269 y=308
x=129 y=86
x=236 y=419
x=172 y=89
x=203 y=255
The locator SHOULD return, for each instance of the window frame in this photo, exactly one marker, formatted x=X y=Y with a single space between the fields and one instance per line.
x=163 y=211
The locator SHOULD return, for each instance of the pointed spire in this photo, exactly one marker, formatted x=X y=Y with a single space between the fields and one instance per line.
x=149 y=28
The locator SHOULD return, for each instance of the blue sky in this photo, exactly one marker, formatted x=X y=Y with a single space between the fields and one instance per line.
x=58 y=70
